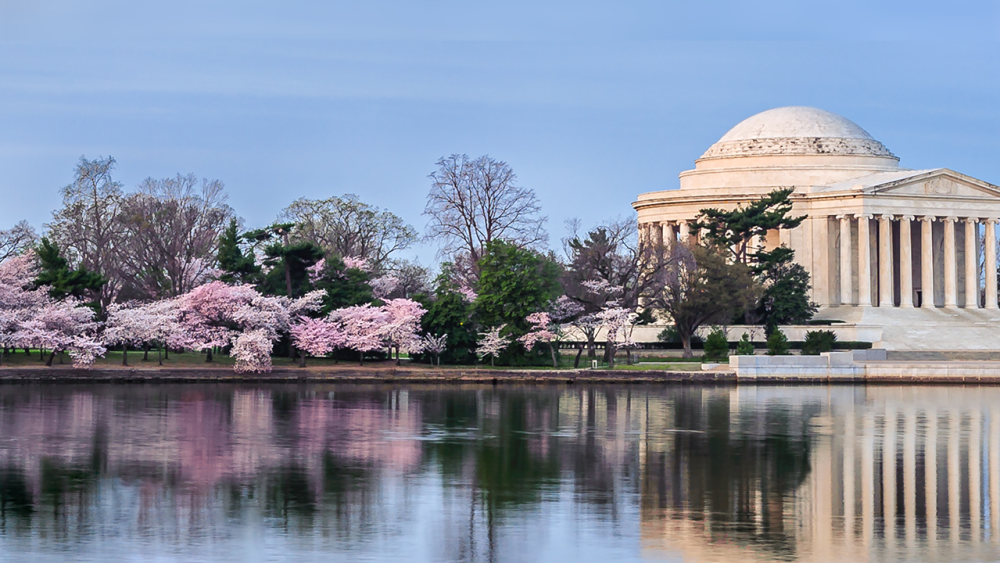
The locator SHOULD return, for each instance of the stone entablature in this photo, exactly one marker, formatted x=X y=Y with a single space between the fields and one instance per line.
x=797 y=146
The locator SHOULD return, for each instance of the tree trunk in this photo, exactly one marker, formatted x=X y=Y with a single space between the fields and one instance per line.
x=124 y=354
x=362 y=356
x=579 y=352
x=208 y=357
x=397 y=355
x=51 y=357
x=493 y=361
x=686 y=341
x=41 y=354
x=159 y=356
x=609 y=352
x=145 y=352
x=555 y=358
x=166 y=352
x=628 y=356
x=302 y=359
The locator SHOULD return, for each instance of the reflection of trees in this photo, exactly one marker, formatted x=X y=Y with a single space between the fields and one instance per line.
x=351 y=462
x=720 y=462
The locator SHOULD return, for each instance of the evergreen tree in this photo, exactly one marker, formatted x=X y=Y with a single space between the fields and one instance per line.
x=62 y=280
x=785 y=296
x=237 y=266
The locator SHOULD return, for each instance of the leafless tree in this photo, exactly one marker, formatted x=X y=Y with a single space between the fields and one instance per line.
x=475 y=201
x=172 y=231
x=87 y=226
x=346 y=226
x=15 y=240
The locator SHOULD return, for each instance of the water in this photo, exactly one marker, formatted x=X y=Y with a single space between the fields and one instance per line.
x=480 y=473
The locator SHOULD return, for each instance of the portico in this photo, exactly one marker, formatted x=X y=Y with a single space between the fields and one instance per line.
x=913 y=251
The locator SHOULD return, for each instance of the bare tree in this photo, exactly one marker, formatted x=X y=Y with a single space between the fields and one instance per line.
x=87 y=226
x=475 y=201
x=347 y=226
x=15 y=240
x=172 y=229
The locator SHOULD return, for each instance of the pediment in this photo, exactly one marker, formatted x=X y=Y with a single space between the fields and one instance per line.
x=942 y=183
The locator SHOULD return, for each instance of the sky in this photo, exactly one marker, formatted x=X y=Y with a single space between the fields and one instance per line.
x=591 y=103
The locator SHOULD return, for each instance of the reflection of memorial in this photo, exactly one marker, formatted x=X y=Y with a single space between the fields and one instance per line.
x=890 y=474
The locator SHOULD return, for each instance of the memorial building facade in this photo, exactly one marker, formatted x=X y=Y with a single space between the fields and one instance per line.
x=908 y=256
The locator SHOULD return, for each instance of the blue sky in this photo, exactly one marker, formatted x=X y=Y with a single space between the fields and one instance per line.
x=591 y=103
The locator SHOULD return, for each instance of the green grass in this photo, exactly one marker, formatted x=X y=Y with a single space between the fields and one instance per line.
x=113 y=359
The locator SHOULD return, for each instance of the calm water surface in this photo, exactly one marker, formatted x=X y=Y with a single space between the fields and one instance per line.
x=540 y=473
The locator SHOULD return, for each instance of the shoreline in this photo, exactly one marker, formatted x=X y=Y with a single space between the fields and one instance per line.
x=378 y=374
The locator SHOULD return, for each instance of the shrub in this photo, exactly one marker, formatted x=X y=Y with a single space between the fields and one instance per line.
x=670 y=334
x=777 y=344
x=744 y=347
x=818 y=341
x=716 y=345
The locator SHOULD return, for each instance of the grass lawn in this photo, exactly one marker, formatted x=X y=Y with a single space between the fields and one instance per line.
x=113 y=359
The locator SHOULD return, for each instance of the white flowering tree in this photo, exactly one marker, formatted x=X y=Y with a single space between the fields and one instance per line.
x=491 y=343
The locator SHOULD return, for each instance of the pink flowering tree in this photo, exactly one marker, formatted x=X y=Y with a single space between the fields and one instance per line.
x=217 y=314
x=127 y=325
x=383 y=286
x=617 y=323
x=362 y=327
x=30 y=317
x=402 y=328
x=491 y=343
x=316 y=337
x=435 y=345
x=543 y=329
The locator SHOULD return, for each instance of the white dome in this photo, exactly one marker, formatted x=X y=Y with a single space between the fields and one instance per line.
x=796 y=130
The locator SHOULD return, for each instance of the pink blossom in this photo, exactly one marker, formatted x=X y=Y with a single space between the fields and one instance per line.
x=252 y=351
x=318 y=337
x=491 y=343
x=467 y=293
x=383 y=286
x=356 y=262
x=435 y=345
x=316 y=270
x=403 y=324
x=362 y=327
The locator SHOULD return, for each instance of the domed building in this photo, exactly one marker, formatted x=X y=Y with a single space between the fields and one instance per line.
x=895 y=254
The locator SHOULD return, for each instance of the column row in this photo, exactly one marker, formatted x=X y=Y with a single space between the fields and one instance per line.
x=887 y=265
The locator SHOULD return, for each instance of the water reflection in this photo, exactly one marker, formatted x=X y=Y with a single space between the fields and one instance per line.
x=429 y=473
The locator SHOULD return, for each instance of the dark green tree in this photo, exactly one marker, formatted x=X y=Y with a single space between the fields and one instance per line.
x=344 y=287
x=62 y=280
x=513 y=283
x=734 y=230
x=237 y=265
x=785 y=285
x=450 y=313
x=785 y=295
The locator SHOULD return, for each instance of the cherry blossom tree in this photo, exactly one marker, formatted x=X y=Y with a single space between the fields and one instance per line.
x=491 y=343
x=617 y=323
x=401 y=330
x=543 y=329
x=383 y=286
x=435 y=345
x=127 y=325
x=363 y=328
x=317 y=337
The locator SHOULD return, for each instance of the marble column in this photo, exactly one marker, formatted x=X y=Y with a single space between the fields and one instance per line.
x=685 y=231
x=885 y=285
x=927 y=262
x=950 y=264
x=668 y=236
x=846 y=291
x=864 y=261
x=905 y=262
x=971 y=264
x=990 y=265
